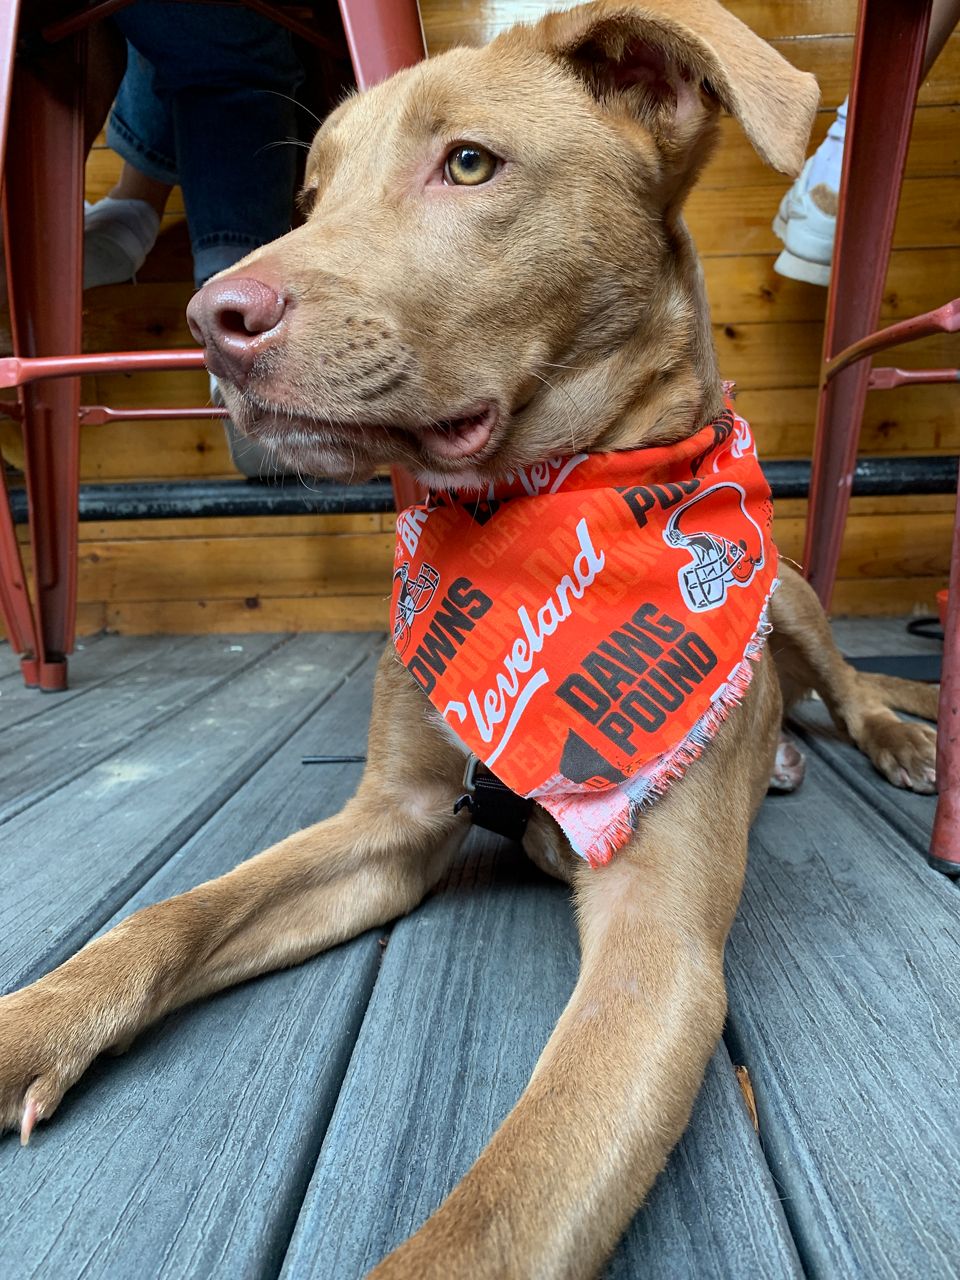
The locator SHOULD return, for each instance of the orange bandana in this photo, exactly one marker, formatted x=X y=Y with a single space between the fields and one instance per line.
x=586 y=624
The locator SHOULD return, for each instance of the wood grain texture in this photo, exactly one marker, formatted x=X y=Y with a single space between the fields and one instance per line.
x=861 y=597
x=934 y=150
x=151 y=798
x=470 y=987
x=854 y=596
x=87 y=670
x=66 y=740
x=252 y=614
x=844 y=1005
x=204 y=1135
x=345 y=564
x=736 y=221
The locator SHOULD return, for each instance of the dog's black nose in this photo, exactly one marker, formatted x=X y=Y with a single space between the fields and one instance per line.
x=236 y=320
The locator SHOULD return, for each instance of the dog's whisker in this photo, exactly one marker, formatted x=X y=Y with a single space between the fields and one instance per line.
x=553 y=387
x=296 y=102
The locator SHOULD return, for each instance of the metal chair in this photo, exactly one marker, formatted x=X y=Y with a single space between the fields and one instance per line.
x=42 y=66
x=888 y=56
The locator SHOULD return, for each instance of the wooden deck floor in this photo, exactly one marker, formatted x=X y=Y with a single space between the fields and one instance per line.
x=304 y=1123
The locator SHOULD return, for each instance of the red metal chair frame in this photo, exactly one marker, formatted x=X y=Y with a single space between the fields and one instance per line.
x=41 y=140
x=888 y=57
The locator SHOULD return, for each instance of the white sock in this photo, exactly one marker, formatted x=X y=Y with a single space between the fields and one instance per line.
x=117 y=236
x=828 y=158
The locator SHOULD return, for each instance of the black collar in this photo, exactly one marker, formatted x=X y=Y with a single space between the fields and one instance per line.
x=491 y=804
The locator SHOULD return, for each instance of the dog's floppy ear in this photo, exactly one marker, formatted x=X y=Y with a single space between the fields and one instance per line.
x=660 y=57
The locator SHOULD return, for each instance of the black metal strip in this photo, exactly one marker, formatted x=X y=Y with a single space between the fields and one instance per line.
x=174 y=500
x=873 y=477
x=925 y=667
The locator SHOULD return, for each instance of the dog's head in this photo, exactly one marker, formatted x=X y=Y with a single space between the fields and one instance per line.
x=493 y=267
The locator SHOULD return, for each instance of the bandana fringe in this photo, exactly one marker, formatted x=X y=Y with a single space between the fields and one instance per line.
x=644 y=790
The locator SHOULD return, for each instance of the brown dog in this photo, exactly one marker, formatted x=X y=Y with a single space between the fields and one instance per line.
x=494 y=270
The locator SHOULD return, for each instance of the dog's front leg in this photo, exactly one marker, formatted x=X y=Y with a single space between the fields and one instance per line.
x=557 y=1185
x=370 y=863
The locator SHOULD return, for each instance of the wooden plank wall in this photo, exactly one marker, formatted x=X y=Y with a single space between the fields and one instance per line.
x=308 y=572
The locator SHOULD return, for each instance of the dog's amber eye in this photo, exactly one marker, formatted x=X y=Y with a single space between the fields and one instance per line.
x=469 y=165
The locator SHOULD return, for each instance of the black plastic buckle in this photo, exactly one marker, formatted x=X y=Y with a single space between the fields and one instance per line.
x=491 y=804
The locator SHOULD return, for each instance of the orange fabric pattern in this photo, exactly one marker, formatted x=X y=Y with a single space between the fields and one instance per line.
x=584 y=626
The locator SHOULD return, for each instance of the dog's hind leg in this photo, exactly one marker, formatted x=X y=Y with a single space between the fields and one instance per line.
x=560 y=1180
x=862 y=705
x=369 y=864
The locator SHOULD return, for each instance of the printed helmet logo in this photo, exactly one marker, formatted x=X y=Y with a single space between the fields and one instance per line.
x=739 y=444
x=413 y=596
x=724 y=543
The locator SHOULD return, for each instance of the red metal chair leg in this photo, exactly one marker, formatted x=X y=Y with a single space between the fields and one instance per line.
x=385 y=36
x=891 y=35
x=14 y=598
x=945 y=844
x=44 y=230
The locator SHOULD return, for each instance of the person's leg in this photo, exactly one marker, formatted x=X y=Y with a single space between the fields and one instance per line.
x=121 y=229
x=134 y=185
x=228 y=75
x=806 y=221
x=106 y=64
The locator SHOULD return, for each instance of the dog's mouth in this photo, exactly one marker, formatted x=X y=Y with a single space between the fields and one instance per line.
x=463 y=437
x=442 y=441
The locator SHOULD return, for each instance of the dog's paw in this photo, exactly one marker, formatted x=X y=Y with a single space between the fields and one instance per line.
x=37 y=1061
x=789 y=766
x=904 y=752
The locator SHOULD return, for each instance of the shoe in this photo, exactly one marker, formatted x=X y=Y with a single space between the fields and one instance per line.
x=117 y=236
x=806 y=223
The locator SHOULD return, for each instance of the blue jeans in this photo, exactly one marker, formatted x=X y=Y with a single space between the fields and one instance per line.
x=203 y=103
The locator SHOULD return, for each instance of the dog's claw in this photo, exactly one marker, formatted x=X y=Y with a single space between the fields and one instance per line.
x=31 y=1114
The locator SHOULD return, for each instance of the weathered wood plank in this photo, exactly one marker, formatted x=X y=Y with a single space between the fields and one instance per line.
x=132 y=813
x=470 y=988
x=787 y=355
x=90 y=666
x=265 y=612
x=65 y=741
x=845 y=1006
x=349 y=564
x=254 y=613
x=189 y=1156
x=920 y=419
x=860 y=636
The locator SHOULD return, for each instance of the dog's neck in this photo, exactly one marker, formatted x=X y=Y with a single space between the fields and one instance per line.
x=664 y=382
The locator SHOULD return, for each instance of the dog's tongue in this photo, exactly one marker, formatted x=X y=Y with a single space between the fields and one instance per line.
x=460 y=437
